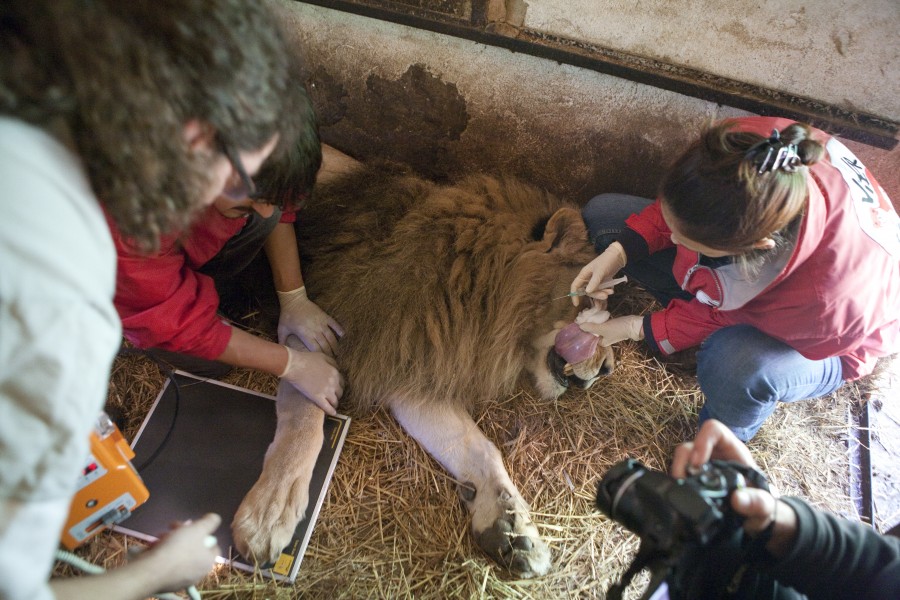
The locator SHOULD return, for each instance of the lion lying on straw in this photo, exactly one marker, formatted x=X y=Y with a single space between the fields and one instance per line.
x=447 y=295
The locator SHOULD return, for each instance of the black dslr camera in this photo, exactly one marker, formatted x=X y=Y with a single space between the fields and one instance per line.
x=691 y=539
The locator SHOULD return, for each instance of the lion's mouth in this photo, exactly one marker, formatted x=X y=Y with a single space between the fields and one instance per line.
x=573 y=354
x=557 y=365
x=575 y=345
x=564 y=377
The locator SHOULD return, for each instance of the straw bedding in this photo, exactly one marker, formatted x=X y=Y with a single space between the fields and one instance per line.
x=393 y=527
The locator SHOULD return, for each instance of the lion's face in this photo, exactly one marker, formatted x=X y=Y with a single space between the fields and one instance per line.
x=563 y=355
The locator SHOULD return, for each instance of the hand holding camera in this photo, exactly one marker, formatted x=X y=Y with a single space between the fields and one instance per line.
x=759 y=508
x=690 y=527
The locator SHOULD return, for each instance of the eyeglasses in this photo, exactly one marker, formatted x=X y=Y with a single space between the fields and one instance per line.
x=245 y=188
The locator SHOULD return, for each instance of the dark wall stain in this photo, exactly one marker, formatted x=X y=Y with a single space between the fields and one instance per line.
x=624 y=162
x=423 y=121
x=414 y=120
x=328 y=96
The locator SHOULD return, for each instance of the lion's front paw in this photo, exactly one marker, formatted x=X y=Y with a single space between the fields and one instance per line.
x=267 y=517
x=512 y=539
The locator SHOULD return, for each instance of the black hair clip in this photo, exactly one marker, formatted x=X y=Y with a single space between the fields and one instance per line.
x=773 y=154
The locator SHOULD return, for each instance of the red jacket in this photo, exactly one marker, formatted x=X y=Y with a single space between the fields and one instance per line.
x=837 y=293
x=163 y=301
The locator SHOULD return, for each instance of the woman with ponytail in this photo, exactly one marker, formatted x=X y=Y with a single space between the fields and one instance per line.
x=773 y=249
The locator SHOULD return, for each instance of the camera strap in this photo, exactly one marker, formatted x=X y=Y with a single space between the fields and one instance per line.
x=647 y=557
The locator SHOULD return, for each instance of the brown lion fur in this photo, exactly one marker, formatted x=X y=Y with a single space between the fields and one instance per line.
x=441 y=288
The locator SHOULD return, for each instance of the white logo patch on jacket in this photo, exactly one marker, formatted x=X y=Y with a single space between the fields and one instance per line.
x=877 y=217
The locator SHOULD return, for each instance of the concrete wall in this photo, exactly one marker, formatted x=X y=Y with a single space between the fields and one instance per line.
x=449 y=106
x=840 y=52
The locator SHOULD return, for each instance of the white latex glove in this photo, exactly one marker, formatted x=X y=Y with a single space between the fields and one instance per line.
x=302 y=317
x=316 y=376
x=617 y=330
x=594 y=314
x=597 y=271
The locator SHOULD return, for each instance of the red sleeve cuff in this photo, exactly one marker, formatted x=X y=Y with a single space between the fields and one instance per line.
x=288 y=216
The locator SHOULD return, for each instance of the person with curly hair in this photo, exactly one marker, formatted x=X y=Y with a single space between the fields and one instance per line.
x=137 y=111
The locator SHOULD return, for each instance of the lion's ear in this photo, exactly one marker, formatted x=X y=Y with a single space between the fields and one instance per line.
x=565 y=231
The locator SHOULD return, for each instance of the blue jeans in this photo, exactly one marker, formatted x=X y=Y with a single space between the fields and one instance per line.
x=741 y=371
x=605 y=218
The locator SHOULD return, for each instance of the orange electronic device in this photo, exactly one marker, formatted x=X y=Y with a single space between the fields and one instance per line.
x=109 y=488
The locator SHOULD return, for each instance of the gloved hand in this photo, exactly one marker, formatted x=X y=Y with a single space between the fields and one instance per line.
x=615 y=330
x=302 y=317
x=597 y=271
x=316 y=376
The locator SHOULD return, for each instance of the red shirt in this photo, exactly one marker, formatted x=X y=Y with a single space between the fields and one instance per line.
x=837 y=293
x=163 y=301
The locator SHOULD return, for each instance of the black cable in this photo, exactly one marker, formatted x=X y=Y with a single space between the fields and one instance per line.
x=170 y=373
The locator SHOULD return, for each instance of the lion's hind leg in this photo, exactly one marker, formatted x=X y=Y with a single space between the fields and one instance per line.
x=269 y=514
x=501 y=521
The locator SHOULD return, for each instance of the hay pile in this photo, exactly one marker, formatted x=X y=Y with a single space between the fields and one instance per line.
x=393 y=527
